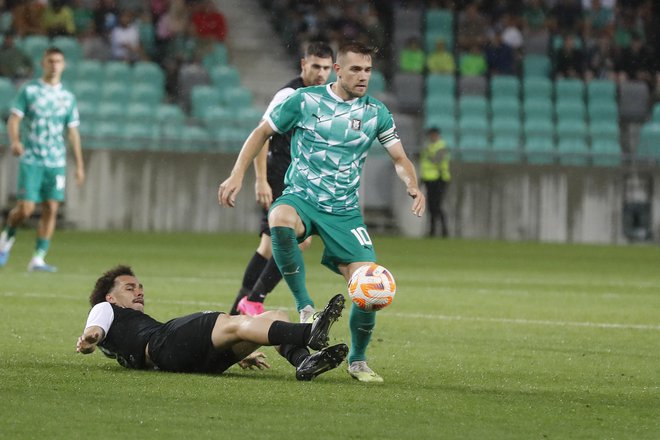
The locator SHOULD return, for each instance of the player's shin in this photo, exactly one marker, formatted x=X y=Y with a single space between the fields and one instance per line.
x=290 y=261
x=361 y=324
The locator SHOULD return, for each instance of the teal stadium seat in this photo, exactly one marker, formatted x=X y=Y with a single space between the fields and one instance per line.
x=70 y=47
x=603 y=110
x=88 y=110
x=567 y=108
x=150 y=94
x=115 y=91
x=228 y=139
x=474 y=147
x=87 y=91
x=573 y=151
x=655 y=113
x=538 y=108
x=473 y=105
x=171 y=115
x=111 y=111
x=539 y=150
x=236 y=98
x=217 y=57
x=506 y=125
x=89 y=70
x=536 y=66
x=601 y=89
x=377 y=82
x=141 y=113
x=440 y=105
x=7 y=92
x=572 y=128
x=506 y=148
x=117 y=71
x=440 y=85
x=202 y=97
x=605 y=152
x=34 y=47
x=195 y=138
x=537 y=87
x=473 y=124
x=107 y=135
x=216 y=116
x=446 y=123
x=439 y=24
x=249 y=117
x=147 y=72
x=648 y=148
x=225 y=77
x=539 y=127
x=569 y=88
x=604 y=130
x=505 y=106
x=504 y=87
x=140 y=136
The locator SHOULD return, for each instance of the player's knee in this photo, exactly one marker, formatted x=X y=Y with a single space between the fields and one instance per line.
x=282 y=216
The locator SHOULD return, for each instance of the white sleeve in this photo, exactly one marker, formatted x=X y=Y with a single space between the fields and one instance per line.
x=277 y=99
x=102 y=316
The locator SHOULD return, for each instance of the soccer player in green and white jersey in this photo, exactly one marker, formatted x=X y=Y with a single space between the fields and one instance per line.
x=45 y=108
x=333 y=128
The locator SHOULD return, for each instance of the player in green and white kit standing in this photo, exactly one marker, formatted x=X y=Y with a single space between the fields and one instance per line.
x=333 y=128
x=45 y=108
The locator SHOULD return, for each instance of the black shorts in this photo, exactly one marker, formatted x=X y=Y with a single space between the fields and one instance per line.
x=183 y=345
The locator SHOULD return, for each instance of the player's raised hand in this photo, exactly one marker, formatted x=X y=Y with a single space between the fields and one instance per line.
x=419 y=201
x=228 y=191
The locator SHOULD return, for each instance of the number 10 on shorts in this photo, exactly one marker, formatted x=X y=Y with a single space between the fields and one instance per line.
x=362 y=236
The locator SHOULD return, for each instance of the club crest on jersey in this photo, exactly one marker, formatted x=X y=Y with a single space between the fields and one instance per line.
x=356 y=124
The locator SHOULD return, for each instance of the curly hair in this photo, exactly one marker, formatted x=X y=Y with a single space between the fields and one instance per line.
x=106 y=282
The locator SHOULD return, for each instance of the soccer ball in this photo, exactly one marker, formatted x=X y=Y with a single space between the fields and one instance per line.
x=372 y=287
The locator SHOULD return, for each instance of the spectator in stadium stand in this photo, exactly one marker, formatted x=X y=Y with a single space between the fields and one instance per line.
x=322 y=182
x=534 y=16
x=261 y=274
x=600 y=59
x=441 y=61
x=58 y=19
x=472 y=27
x=41 y=113
x=412 y=58
x=566 y=18
x=106 y=17
x=125 y=39
x=204 y=342
x=210 y=24
x=473 y=62
x=598 y=21
x=636 y=62
x=569 y=59
x=500 y=57
x=14 y=63
x=27 y=18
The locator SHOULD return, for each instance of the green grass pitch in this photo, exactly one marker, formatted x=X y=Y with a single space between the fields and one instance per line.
x=484 y=340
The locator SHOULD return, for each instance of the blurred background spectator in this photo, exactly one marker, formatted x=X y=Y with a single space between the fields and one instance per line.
x=440 y=60
x=412 y=58
x=14 y=63
x=58 y=19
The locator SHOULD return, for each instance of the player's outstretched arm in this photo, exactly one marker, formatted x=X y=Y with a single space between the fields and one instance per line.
x=89 y=339
x=406 y=172
x=74 y=141
x=252 y=146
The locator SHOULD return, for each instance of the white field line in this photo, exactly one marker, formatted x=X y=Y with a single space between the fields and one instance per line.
x=429 y=316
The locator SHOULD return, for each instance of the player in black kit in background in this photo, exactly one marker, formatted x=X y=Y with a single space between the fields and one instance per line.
x=205 y=342
x=261 y=274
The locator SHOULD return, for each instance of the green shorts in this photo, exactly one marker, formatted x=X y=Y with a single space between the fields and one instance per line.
x=38 y=183
x=344 y=235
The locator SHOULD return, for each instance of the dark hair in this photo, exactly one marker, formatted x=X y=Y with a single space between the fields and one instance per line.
x=433 y=130
x=355 y=47
x=318 y=49
x=53 y=50
x=106 y=282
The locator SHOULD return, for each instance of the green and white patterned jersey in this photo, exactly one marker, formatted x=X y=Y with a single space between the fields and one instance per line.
x=331 y=139
x=46 y=111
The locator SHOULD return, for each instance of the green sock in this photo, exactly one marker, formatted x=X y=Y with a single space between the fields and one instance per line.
x=290 y=261
x=11 y=231
x=361 y=324
x=41 y=248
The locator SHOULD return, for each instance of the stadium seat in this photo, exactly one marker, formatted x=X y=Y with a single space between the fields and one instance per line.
x=34 y=47
x=538 y=108
x=539 y=150
x=115 y=91
x=147 y=94
x=505 y=106
x=439 y=23
x=504 y=87
x=536 y=66
x=377 y=82
x=88 y=111
x=117 y=71
x=655 y=113
x=249 y=117
x=604 y=130
x=569 y=88
x=571 y=127
x=111 y=111
x=190 y=76
x=171 y=115
x=217 y=116
x=472 y=85
x=236 y=98
x=141 y=113
x=601 y=89
x=107 y=134
x=87 y=91
x=603 y=110
x=431 y=38
x=648 y=148
x=140 y=136
x=440 y=85
x=409 y=91
x=506 y=148
x=89 y=70
x=605 y=152
x=147 y=72
x=225 y=77
x=446 y=123
x=7 y=92
x=473 y=105
x=228 y=139
x=473 y=124
x=506 y=125
x=203 y=97
x=539 y=127
x=70 y=47
x=568 y=108
x=537 y=87
x=195 y=138
x=572 y=151
x=633 y=101
x=217 y=57
x=440 y=105
x=474 y=147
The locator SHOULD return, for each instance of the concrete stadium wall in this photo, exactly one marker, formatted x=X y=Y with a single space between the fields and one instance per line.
x=167 y=191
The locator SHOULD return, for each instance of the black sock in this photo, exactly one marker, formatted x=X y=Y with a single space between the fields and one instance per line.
x=239 y=296
x=281 y=332
x=267 y=281
x=293 y=353
x=253 y=270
